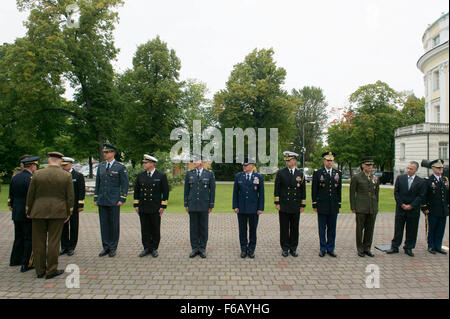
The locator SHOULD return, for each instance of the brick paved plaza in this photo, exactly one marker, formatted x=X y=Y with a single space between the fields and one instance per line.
x=223 y=274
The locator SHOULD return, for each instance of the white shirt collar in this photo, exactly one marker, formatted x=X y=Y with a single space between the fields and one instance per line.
x=151 y=172
x=110 y=163
x=437 y=177
x=200 y=171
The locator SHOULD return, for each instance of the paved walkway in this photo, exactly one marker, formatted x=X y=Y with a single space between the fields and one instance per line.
x=223 y=274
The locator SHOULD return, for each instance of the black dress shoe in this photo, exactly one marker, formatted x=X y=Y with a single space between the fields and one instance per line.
x=202 y=254
x=40 y=276
x=322 y=253
x=14 y=265
x=70 y=252
x=285 y=253
x=112 y=253
x=251 y=254
x=331 y=253
x=441 y=251
x=432 y=251
x=57 y=273
x=294 y=253
x=155 y=253
x=144 y=253
x=103 y=253
x=392 y=251
x=361 y=254
x=193 y=254
x=369 y=253
x=409 y=252
x=25 y=268
x=62 y=252
x=243 y=254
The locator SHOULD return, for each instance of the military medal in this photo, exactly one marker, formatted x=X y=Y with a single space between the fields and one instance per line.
x=256 y=181
x=336 y=177
x=374 y=179
x=321 y=178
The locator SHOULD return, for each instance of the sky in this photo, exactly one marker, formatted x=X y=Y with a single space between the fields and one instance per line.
x=336 y=45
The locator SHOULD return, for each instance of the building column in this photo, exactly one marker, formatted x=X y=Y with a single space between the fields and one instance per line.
x=428 y=110
x=443 y=92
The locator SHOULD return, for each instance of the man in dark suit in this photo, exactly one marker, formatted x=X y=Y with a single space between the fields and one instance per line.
x=111 y=189
x=151 y=195
x=199 y=196
x=326 y=193
x=22 y=247
x=248 y=203
x=408 y=193
x=435 y=206
x=49 y=205
x=290 y=201
x=69 y=237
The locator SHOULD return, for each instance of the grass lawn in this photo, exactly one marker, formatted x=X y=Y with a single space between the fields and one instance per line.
x=223 y=204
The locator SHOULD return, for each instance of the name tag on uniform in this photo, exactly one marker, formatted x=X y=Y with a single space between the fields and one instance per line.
x=206 y=179
x=74 y=180
x=114 y=172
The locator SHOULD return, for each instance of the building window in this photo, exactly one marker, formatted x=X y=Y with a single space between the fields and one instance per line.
x=443 y=150
x=402 y=151
x=436 y=80
x=437 y=113
x=436 y=40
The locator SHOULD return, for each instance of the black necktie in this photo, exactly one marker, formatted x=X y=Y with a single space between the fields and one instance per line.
x=292 y=172
x=248 y=177
x=198 y=173
x=107 y=167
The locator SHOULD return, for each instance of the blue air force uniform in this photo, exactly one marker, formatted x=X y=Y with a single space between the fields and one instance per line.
x=248 y=197
x=111 y=187
x=326 y=193
x=199 y=196
x=436 y=202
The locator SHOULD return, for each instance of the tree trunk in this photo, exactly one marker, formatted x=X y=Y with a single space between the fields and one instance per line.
x=100 y=146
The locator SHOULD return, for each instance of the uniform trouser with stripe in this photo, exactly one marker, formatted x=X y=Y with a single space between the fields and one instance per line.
x=289 y=225
x=109 y=226
x=248 y=224
x=435 y=231
x=150 y=230
x=198 y=228
x=22 y=246
x=411 y=220
x=69 y=238
x=365 y=226
x=46 y=256
x=327 y=231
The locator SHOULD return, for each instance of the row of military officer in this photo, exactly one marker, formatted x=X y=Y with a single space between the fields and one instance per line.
x=151 y=195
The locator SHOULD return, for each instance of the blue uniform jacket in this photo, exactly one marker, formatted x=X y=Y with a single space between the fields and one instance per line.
x=248 y=196
x=18 y=195
x=199 y=193
x=112 y=186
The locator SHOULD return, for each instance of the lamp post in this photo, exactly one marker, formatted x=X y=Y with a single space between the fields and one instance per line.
x=303 y=145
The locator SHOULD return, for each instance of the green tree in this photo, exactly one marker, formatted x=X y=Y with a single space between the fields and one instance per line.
x=254 y=98
x=312 y=109
x=413 y=111
x=151 y=93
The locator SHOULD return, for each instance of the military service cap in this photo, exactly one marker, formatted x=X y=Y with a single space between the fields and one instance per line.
x=437 y=163
x=67 y=160
x=30 y=160
x=24 y=157
x=329 y=156
x=148 y=158
x=109 y=148
x=249 y=160
x=55 y=154
x=368 y=160
x=289 y=155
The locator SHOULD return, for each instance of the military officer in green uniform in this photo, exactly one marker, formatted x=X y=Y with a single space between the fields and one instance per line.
x=435 y=206
x=199 y=196
x=151 y=195
x=49 y=205
x=111 y=189
x=364 y=195
x=290 y=201
x=326 y=193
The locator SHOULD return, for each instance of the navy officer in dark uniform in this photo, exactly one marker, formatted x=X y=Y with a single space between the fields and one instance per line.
x=111 y=189
x=248 y=203
x=290 y=201
x=326 y=193
x=435 y=206
x=69 y=236
x=151 y=195
x=199 y=196
x=22 y=247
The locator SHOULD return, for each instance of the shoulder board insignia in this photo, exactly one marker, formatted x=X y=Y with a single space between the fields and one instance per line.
x=316 y=170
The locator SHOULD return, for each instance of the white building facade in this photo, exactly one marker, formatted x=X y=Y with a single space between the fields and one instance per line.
x=429 y=140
